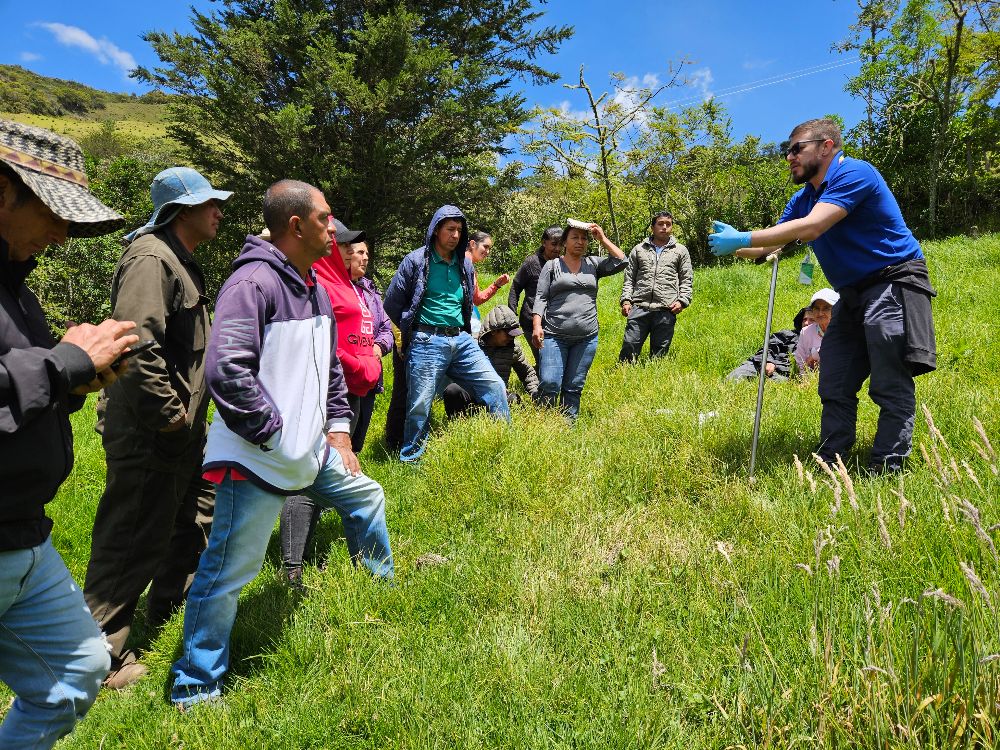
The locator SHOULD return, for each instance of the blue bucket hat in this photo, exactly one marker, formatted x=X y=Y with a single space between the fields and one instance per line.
x=172 y=189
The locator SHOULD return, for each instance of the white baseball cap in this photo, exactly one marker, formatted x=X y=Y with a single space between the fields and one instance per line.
x=827 y=295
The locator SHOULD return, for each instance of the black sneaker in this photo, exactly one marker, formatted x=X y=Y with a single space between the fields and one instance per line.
x=293 y=578
x=829 y=463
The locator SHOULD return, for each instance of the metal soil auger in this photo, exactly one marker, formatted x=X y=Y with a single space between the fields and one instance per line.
x=773 y=259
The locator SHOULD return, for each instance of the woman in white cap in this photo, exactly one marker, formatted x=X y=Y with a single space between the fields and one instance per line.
x=811 y=338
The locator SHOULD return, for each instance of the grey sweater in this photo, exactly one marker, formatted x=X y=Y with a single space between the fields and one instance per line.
x=567 y=301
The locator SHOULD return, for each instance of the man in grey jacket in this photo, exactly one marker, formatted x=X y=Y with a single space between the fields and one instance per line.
x=658 y=285
x=154 y=518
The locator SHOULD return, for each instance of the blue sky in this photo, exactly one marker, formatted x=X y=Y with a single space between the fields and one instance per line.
x=770 y=64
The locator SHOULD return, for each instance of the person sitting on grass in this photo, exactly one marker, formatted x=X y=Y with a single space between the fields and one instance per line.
x=565 y=315
x=821 y=311
x=497 y=340
x=780 y=352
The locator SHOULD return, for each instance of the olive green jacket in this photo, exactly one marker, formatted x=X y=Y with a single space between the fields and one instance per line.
x=655 y=281
x=158 y=284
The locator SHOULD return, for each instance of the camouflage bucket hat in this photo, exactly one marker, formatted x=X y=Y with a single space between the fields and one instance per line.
x=52 y=167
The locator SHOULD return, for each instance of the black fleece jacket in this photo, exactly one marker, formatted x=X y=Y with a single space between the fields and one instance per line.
x=36 y=377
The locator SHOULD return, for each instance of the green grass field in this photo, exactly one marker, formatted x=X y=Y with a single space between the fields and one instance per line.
x=135 y=120
x=620 y=584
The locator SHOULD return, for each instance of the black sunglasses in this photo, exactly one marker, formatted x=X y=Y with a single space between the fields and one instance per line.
x=794 y=148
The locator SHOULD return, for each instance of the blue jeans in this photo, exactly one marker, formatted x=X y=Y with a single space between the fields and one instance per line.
x=563 y=371
x=433 y=359
x=866 y=337
x=52 y=654
x=244 y=518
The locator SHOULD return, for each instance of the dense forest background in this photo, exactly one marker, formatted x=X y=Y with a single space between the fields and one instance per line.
x=395 y=108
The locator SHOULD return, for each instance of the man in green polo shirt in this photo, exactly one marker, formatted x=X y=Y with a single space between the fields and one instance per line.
x=430 y=300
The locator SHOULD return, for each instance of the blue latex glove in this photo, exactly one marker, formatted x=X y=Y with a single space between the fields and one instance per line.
x=727 y=240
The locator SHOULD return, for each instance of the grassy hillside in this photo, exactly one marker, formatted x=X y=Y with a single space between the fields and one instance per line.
x=620 y=583
x=76 y=110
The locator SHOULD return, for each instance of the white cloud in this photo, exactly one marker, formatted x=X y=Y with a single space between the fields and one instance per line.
x=30 y=56
x=627 y=93
x=104 y=50
x=566 y=110
x=701 y=79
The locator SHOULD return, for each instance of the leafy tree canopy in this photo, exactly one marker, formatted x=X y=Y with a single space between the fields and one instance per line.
x=390 y=108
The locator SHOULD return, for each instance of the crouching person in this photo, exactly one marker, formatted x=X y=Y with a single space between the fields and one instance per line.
x=281 y=428
x=52 y=655
x=498 y=342
x=780 y=353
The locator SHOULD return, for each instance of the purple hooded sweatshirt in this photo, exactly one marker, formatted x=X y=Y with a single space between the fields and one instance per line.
x=273 y=373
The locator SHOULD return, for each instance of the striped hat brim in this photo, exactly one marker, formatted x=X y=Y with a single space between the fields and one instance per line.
x=87 y=216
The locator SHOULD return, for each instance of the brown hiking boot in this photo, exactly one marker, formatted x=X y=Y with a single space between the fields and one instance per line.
x=126 y=675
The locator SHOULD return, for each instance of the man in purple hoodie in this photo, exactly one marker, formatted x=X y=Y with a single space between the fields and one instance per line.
x=281 y=427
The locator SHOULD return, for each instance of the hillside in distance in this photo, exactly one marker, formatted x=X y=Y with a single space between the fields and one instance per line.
x=76 y=110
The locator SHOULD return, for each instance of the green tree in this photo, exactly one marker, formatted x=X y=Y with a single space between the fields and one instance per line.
x=931 y=78
x=391 y=108
x=691 y=167
x=73 y=282
x=595 y=143
x=868 y=37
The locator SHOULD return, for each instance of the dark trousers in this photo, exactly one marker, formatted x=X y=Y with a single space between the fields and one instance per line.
x=751 y=371
x=395 y=417
x=457 y=400
x=152 y=524
x=365 y=409
x=300 y=515
x=867 y=336
x=658 y=325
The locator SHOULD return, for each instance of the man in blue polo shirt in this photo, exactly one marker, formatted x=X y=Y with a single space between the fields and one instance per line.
x=430 y=300
x=882 y=325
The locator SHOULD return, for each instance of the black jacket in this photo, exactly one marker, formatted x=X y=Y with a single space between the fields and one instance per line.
x=526 y=280
x=915 y=287
x=36 y=440
x=780 y=352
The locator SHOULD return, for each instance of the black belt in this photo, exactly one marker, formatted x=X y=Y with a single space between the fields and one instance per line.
x=438 y=330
